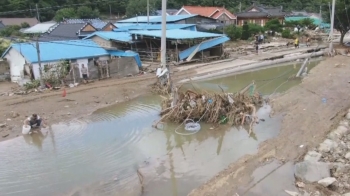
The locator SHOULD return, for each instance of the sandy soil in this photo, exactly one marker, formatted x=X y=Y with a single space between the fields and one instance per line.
x=306 y=121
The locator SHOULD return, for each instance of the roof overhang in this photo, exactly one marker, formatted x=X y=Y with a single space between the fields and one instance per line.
x=226 y=15
x=182 y=9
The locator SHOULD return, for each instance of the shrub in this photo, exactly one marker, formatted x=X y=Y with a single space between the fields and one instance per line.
x=233 y=32
x=245 y=32
x=286 y=33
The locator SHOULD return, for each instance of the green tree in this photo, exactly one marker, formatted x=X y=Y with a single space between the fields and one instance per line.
x=233 y=32
x=139 y=7
x=65 y=13
x=286 y=34
x=87 y=12
x=273 y=25
x=341 y=18
x=255 y=29
x=245 y=31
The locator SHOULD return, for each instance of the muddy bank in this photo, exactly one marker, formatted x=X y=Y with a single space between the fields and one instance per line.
x=306 y=122
x=54 y=108
x=79 y=102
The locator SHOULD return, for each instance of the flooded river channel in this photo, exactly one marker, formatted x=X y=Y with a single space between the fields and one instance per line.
x=100 y=154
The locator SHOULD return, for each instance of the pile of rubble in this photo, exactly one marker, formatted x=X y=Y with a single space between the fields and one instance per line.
x=329 y=164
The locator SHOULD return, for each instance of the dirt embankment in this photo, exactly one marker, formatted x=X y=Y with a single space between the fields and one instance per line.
x=307 y=120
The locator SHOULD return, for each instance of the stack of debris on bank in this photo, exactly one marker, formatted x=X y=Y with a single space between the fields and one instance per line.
x=217 y=108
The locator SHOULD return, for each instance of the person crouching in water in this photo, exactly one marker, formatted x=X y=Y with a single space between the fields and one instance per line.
x=33 y=121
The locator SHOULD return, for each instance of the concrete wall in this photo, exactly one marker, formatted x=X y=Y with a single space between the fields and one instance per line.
x=4 y=70
x=16 y=61
x=101 y=42
x=122 y=67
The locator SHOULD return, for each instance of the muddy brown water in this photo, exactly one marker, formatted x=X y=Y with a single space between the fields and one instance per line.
x=99 y=155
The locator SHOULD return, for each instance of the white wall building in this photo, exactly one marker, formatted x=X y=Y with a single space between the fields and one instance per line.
x=51 y=53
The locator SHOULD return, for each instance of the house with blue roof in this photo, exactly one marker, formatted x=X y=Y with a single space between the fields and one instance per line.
x=79 y=52
x=51 y=53
x=171 y=19
x=74 y=29
x=182 y=45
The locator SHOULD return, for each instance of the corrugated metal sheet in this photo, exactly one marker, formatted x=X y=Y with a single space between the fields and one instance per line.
x=172 y=18
x=110 y=35
x=59 y=50
x=202 y=46
x=137 y=19
x=39 y=28
x=177 y=34
x=119 y=25
x=155 y=19
x=127 y=54
x=155 y=27
x=298 y=18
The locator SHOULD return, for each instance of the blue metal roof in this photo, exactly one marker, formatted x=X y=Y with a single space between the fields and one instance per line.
x=128 y=53
x=177 y=34
x=110 y=35
x=202 y=46
x=155 y=19
x=125 y=24
x=59 y=50
x=171 y=18
x=154 y=27
x=137 y=19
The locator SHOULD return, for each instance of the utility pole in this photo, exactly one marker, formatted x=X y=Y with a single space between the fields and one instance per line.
x=163 y=39
x=330 y=10
x=332 y=27
x=37 y=12
x=148 y=11
x=39 y=61
x=110 y=12
x=240 y=6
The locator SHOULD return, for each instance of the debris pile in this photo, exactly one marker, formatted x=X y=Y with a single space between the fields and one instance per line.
x=234 y=109
x=161 y=88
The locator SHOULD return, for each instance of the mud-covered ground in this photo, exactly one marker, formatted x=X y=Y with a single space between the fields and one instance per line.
x=306 y=122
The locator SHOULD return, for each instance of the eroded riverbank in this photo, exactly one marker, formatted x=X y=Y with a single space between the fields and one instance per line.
x=306 y=121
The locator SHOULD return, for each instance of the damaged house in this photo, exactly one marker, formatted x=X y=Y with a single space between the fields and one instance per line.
x=24 y=65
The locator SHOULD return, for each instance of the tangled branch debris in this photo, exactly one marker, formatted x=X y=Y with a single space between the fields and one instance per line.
x=234 y=109
x=161 y=88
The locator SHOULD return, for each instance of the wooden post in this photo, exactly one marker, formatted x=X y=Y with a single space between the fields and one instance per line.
x=302 y=68
x=202 y=56
x=177 y=52
x=73 y=71
x=150 y=43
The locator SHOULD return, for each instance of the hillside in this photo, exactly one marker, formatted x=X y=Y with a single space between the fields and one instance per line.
x=48 y=8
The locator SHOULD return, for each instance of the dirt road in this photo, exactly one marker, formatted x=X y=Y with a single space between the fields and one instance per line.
x=306 y=122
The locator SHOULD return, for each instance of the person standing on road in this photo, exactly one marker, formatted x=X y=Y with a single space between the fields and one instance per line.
x=307 y=41
x=84 y=72
x=261 y=38
x=296 y=43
